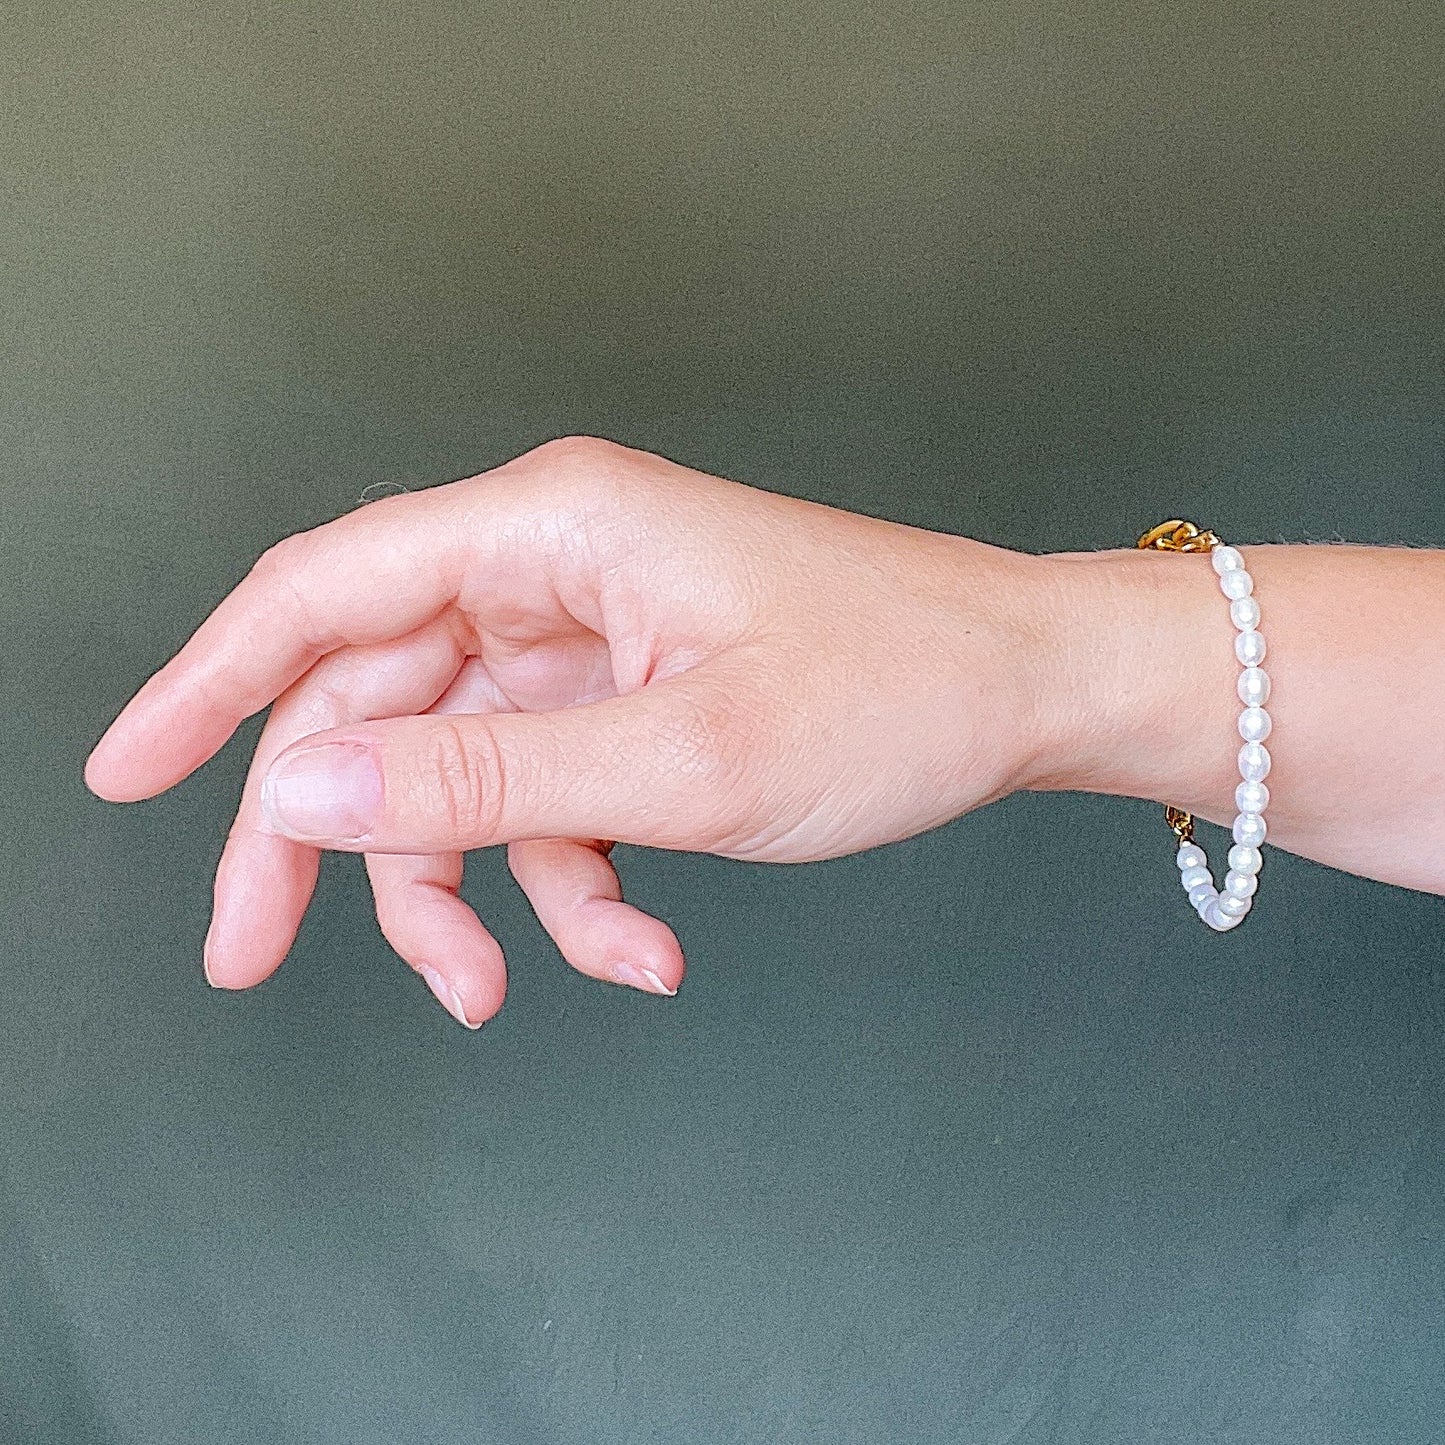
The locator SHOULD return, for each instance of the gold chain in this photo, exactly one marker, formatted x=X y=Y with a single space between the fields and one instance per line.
x=1178 y=536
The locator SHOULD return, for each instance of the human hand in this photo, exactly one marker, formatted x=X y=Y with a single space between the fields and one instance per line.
x=587 y=644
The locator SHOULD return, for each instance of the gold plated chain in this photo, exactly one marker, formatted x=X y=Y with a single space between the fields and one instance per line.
x=1178 y=536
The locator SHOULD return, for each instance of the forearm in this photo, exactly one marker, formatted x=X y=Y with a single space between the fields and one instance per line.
x=1138 y=694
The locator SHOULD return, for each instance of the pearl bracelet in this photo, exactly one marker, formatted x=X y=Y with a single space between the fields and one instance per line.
x=1224 y=909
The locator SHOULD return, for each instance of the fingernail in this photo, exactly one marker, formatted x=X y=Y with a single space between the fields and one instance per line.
x=328 y=792
x=446 y=995
x=206 y=955
x=643 y=978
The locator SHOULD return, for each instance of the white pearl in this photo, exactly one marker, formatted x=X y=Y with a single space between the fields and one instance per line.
x=1244 y=613
x=1251 y=797
x=1205 y=901
x=1190 y=855
x=1249 y=647
x=1201 y=894
x=1233 y=906
x=1192 y=877
x=1249 y=829
x=1253 y=686
x=1245 y=858
x=1242 y=885
x=1225 y=559
x=1219 y=922
x=1236 y=583
x=1254 y=724
x=1254 y=760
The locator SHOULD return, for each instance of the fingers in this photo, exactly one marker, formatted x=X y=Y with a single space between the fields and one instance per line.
x=438 y=933
x=264 y=881
x=373 y=574
x=262 y=889
x=572 y=889
x=575 y=892
x=417 y=906
x=508 y=537
x=673 y=765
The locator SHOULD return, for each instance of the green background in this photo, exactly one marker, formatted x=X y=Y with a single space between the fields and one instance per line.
x=979 y=1138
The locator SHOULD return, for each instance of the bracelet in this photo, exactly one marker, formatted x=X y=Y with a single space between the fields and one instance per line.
x=1224 y=909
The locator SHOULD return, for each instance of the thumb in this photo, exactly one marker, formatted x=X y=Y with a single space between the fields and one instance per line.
x=663 y=766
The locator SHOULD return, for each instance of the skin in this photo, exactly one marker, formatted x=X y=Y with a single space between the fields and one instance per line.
x=591 y=644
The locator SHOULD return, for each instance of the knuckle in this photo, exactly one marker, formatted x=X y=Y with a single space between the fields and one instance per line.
x=280 y=557
x=282 y=568
x=463 y=781
x=580 y=451
x=590 y=472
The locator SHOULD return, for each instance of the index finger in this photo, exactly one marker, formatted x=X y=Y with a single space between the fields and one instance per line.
x=370 y=575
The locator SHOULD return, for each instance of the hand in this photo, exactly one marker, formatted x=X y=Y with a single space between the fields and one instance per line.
x=585 y=645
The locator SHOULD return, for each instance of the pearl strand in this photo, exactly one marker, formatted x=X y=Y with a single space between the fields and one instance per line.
x=1225 y=910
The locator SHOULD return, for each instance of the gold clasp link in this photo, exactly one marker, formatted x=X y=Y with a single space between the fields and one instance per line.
x=1181 y=822
x=1176 y=535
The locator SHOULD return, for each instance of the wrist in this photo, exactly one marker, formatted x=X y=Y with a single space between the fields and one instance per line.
x=1135 y=679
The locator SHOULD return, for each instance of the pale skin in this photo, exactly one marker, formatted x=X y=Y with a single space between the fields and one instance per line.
x=591 y=644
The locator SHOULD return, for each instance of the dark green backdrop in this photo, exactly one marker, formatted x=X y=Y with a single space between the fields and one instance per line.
x=975 y=1139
